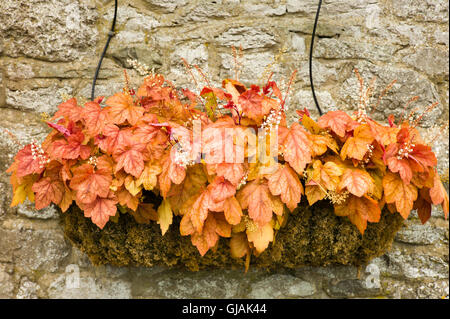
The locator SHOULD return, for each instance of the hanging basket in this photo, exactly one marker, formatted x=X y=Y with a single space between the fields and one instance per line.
x=313 y=236
x=328 y=192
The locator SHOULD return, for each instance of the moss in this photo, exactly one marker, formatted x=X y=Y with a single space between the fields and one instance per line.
x=313 y=236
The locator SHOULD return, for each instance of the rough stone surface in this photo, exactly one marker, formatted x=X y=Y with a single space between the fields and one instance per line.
x=281 y=286
x=50 y=48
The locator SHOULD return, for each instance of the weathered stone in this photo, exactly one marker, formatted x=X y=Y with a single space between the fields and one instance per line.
x=8 y=244
x=204 y=284
x=354 y=49
x=133 y=26
x=194 y=53
x=413 y=265
x=27 y=209
x=433 y=290
x=167 y=5
x=27 y=289
x=409 y=84
x=256 y=67
x=431 y=61
x=209 y=9
x=45 y=97
x=32 y=249
x=247 y=37
x=88 y=287
x=6 y=282
x=265 y=8
x=421 y=10
x=401 y=289
x=281 y=286
x=420 y=234
x=352 y=288
x=48 y=30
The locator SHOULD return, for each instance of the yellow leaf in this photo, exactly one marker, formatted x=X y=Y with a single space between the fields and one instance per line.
x=314 y=194
x=149 y=176
x=357 y=145
x=260 y=236
x=165 y=216
x=397 y=192
x=132 y=185
x=22 y=191
x=239 y=245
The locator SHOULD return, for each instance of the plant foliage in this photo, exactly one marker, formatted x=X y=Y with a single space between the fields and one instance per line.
x=108 y=155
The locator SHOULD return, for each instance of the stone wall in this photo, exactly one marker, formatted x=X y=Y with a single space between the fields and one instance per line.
x=49 y=50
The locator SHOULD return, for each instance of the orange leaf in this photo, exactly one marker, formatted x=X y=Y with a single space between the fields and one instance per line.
x=128 y=156
x=321 y=143
x=338 y=121
x=123 y=109
x=357 y=181
x=423 y=209
x=101 y=209
x=239 y=245
x=71 y=147
x=95 y=117
x=314 y=193
x=296 y=147
x=439 y=195
x=90 y=183
x=234 y=172
x=360 y=210
x=398 y=192
x=256 y=106
x=46 y=191
x=126 y=199
x=194 y=181
x=144 y=213
x=210 y=234
x=66 y=200
x=285 y=182
x=256 y=197
x=260 y=236
x=70 y=110
x=27 y=163
x=358 y=221
x=232 y=211
x=199 y=210
x=221 y=189
x=384 y=135
x=357 y=145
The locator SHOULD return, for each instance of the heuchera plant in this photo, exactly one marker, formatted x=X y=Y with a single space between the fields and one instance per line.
x=108 y=156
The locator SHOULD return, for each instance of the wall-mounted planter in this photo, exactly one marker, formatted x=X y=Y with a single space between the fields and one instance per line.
x=314 y=236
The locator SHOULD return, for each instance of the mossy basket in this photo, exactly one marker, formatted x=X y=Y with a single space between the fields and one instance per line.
x=313 y=236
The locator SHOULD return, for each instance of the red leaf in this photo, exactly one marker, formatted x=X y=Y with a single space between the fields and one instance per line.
x=256 y=197
x=338 y=121
x=90 y=183
x=128 y=156
x=221 y=189
x=101 y=209
x=61 y=129
x=357 y=182
x=285 y=182
x=46 y=191
x=234 y=172
x=70 y=110
x=296 y=147
x=71 y=147
x=95 y=118
x=27 y=163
